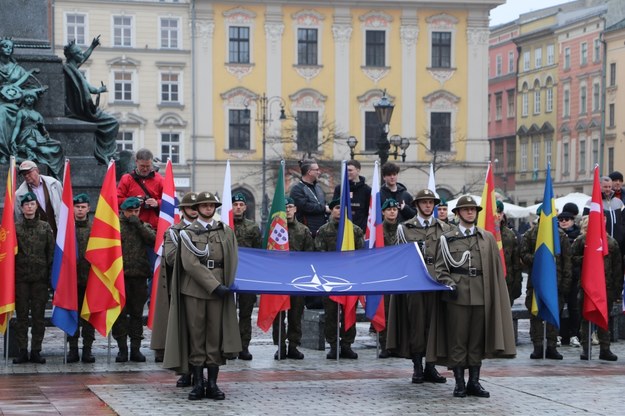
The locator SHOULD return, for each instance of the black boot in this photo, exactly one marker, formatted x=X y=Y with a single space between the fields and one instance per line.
x=212 y=391
x=553 y=354
x=430 y=374
x=22 y=357
x=294 y=353
x=245 y=354
x=537 y=354
x=607 y=355
x=198 y=383
x=73 y=357
x=460 y=390
x=417 y=374
x=474 y=388
x=280 y=353
x=331 y=355
x=122 y=354
x=347 y=352
x=584 y=355
x=87 y=356
x=35 y=357
x=185 y=379
x=136 y=355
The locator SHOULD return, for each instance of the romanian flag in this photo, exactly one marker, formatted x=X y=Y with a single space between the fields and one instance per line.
x=64 y=274
x=105 y=295
x=544 y=271
x=276 y=238
x=488 y=219
x=167 y=217
x=345 y=242
x=227 y=216
x=8 y=251
x=374 y=304
x=595 y=308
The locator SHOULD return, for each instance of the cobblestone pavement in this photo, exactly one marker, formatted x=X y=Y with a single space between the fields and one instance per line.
x=313 y=386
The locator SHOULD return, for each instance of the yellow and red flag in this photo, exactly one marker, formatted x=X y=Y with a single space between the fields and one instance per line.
x=488 y=219
x=8 y=250
x=105 y=295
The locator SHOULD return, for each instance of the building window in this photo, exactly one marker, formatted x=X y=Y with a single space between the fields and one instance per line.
x=548 y=147
x=373 y=130
x=612 y=74
x=566 y=111
x=567 y=58
x=538 y=58
x=611 y=114
x=582 y=155
x=239 y=45
x=536 y=98
x=375 y=48
x=170 y=87
x=582 y=99
x=583 y=54
x=550 y=54
x=610 y=159
x=239 y=129
x=498 y=156
x=170 y=147
x=549 y=100
x=122 y=81
x=498 y=106
x=125 y=141
x=510 y=62
x=596 y=97
x=307 y=46
x=597 y=51
x=441 y=49
x=122 y=31
x=511 y=110
x=498 y=65
x=523 y=157
x=440 y=132
x=595 y=151
x=307 y=131
x=535 y=155
x=566 y=164
x=524 y=104
x=76 y=28
x=526 y=61
x=169 y=33
x=488 y=109
x=511 y=152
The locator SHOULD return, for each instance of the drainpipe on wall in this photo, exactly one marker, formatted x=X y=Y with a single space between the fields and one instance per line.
x=193 y=99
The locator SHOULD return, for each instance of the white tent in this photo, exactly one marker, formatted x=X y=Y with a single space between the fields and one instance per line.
x=511 y=210
x=577 y=198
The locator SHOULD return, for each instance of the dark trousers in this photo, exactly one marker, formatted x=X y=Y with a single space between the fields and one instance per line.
x=465 y=335
x=84 y=327
x=130 y=321
x=294 y=319
x=246 y=307
x=30 y=297
x=331 y=311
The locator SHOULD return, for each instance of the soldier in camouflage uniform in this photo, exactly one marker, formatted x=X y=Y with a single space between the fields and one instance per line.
x=33 y=265
x=390 y=213
x=410 y=315
x=514 y=278
x=563 y=270
x=326 y=241
x=83 y=229
x=612 y=264
x=300 y=239
x=137 y=238
x=248 y=235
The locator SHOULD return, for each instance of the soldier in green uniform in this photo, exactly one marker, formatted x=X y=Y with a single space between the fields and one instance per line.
x=248 y=235
x=300 y=239
x=563 y=271
x=83 y=229
x=390 y=213
x=326 y=241
x=33 y=265
x=514 y=278
x=443 y=211
x=410 y=314
x=137 y=238
x=612 y=264
x=475 y=320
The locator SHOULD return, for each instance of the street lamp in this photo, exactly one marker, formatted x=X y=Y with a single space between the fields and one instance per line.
x=395 y=140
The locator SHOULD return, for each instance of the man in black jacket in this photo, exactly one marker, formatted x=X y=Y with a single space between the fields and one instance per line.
x=309 y=198
x=393 y=189
x=359 y=194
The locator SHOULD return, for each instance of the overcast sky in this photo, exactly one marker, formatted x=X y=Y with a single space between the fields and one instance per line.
x=513 y=8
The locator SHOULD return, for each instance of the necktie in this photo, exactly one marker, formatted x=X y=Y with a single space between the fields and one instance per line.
x=425 y=224
x=208 y=227
x=467 y=232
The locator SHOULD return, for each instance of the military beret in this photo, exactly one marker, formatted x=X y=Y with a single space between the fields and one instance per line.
x=443 y=203
x=131 y=203
x=289 y=201
x=334 y=203
x=390 y=203
x=81 y=199
x=28 y=196
x=499 y=206
x=239 y=197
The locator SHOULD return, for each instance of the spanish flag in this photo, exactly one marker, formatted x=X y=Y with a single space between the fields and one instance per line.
x=8 y=251
x=488 y=219
x=105 y=295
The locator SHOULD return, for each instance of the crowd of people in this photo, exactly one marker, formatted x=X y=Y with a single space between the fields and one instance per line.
x=196 y=325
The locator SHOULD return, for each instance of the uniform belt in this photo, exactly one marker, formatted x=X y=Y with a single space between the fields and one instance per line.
x=471 y=271
x=211 y=264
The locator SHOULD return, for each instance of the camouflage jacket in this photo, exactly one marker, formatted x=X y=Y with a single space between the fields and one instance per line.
x=300 y=238
x=83 y=229
x=514 y=279
x=35 y=251
x=137 y=238
x=328 y=233
x=390 y=233
x=247 y=233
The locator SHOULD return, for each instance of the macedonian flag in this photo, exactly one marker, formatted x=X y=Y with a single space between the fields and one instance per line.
x=105 y=295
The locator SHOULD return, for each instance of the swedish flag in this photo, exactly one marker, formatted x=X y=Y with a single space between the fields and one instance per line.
x=544 y=271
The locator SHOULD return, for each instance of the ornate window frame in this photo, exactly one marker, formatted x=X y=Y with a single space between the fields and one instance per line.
x=308 y=19
x=375 y=20
x=442 y=22
x=242 y=17
x=442 y=101
x=309 y=99
x=239 y=98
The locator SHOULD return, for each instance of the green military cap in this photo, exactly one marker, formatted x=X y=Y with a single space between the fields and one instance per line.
x=81 y=199
x=443 y=203
x=28 y=196
x=390 y=203
x=334 y=203
x=188 y=200
x=289 y=201
x=131 y=203
x=239 y=197
x=499 y=206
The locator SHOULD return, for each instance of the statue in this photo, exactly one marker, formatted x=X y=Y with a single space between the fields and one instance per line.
x=32 y=140
x=81 y=105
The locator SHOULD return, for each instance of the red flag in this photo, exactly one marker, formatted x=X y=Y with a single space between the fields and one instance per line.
x=595 y=307
x=488 y=219
x=8 y=250
x=105 y=295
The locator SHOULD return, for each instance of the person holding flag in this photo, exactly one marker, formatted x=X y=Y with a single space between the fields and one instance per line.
x=410 y=315
x=510 y=243
x=33 y=268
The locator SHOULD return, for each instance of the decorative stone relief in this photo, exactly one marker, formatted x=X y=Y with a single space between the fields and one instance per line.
x=204 y=31
x=441 y=100
x=376 y=19
x=239 y=15
x=342 y=33
x=239 y=70
x=409 y=35
x=371 y=97
x=308 y=98
x=477 y=36
x=375 y=74
x=308 y=18
x=273 y=33
x=238 y=97
x=442 y=21
x=442 y=75
x=307 y=72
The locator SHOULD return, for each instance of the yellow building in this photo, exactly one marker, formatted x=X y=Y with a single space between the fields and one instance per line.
x=236 y=65
x=614 y=37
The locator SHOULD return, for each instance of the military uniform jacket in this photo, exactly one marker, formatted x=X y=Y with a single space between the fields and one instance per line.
x=390 y=233
x=83 y=229
x=514 y=279
x=412 y=231
x=300 y=238
x=137 y=238
x=247 y=233
x=35 y=251
x=328 y=234
x=499 y=333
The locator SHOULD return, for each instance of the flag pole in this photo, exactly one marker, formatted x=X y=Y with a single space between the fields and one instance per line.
x=544 y=339
x=281 y=315
x=6 y=342
x=64 y=347
x=377 y=345
x=108 y=348
x=338 y=329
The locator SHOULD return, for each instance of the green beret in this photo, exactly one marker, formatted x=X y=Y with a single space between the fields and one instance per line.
x=499 y=206
x=81 y=199
x=28 y=196
x=334 y=203
x=131 y=203
x=239 y=197
x=443 y=203
x=390 y=203
x=289 y=201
